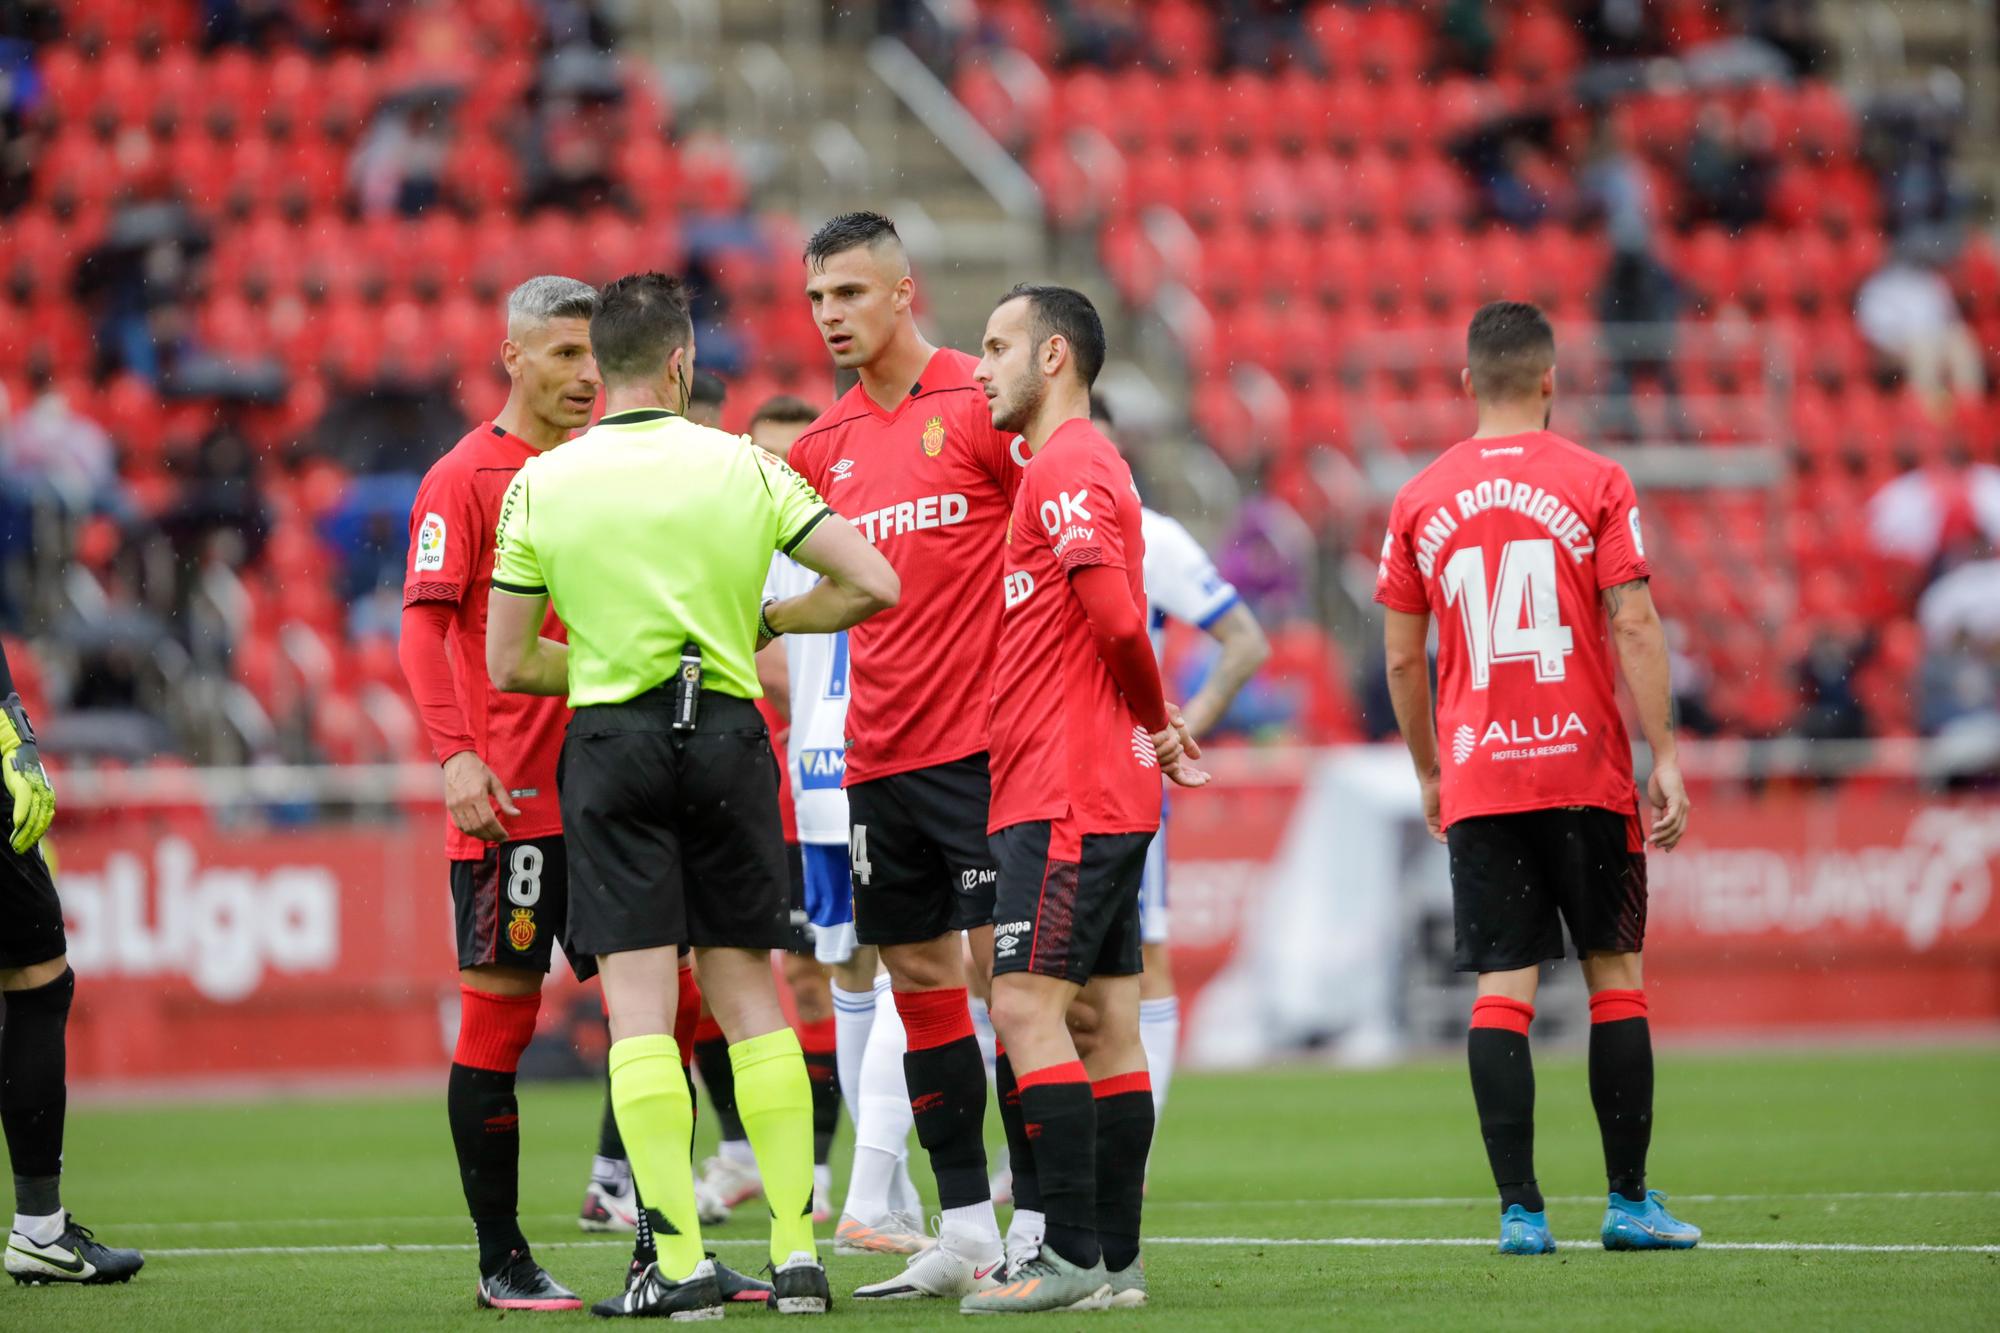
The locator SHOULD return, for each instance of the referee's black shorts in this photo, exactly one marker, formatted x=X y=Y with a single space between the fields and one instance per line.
x=31 y=921
x=673 y=837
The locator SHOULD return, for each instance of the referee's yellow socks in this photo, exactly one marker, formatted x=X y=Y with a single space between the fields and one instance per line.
x=774 y=1098
x=649 y=1095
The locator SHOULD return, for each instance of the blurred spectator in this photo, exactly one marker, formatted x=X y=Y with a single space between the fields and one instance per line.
x=1958 y=689
x=1508 y=159
x=1908 y=314
x=1264 y=34
x=398 y=167
x=1790 y=26
x=1691 y=683
x=1099 y=32
x=389 y=425
x=568 y=23
x=1934 y=515
x=1638 y=299
x=1908 y=137
x=219 y=495
x=52 y=452
x=1964 y=602
x=262 y=25
x=1465 y=36
x=135 y=282
x=1832 y=707
x=1730 y=167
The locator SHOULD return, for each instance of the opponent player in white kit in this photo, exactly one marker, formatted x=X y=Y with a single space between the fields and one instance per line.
x=881 y=1214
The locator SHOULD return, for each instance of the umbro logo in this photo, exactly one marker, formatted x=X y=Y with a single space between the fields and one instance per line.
x=843 y=469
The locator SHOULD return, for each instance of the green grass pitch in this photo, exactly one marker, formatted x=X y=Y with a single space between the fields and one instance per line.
x=1267 y=1190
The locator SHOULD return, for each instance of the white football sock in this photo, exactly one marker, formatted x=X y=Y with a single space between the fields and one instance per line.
x=982 y=1032
x=610 y=1170
x=42 y=1230
x=882 y=1125
x=853 y=1017
x=1026 y=1229
x=1160 y=1034
x=903 y=1196
x=976 y=1222
x=738 y=1150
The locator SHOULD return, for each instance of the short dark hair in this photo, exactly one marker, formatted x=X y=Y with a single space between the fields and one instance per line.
x=785 y=410
x=847 y=232
x=1507 y=348
x=1100 y=410
x=640 y=320
x=708 y=387
x=1067 y=312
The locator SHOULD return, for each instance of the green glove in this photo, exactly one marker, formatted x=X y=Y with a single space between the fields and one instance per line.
x=27 y=783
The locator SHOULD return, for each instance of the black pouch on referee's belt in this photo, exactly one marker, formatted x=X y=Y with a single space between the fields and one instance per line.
x=687 y=688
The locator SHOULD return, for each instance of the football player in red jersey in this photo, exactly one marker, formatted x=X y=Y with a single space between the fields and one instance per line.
x=509 y=881
x=911 y=457
x=1523 y=545
x=1080 y=737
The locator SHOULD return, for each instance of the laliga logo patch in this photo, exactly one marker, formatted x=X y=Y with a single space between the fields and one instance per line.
x=934 y=437
x=1463 y=742
x=1638 y=542
x=521 y=930
x=430 y=543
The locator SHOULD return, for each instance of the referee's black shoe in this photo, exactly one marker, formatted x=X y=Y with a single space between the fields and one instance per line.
x=733 y=1285
x=651 y=1296
x=523 y=1285
x=73 y=1256
x=799 y=1286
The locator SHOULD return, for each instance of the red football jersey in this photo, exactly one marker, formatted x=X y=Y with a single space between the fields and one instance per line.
x=1508 y=542
x=451 y=560
x=929 y=484
x=1066 y=744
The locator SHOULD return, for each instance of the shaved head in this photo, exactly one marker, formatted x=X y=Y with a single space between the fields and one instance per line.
x=855 y=231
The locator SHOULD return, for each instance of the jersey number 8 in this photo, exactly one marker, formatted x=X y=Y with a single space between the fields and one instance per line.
x=524 y=877
x=1521 y=621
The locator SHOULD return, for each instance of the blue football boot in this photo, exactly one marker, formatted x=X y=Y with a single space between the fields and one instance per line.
x=1646 y=1225
x=1523 y=1232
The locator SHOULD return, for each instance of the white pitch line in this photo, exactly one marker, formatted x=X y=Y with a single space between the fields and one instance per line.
x=1459 y=1201
x=1435 y=1201
x=1265 y=1242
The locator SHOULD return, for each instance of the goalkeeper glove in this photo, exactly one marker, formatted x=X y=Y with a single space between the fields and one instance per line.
x=27 y=782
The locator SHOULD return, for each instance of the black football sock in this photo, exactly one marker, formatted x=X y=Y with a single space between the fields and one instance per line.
x=823 y=1073
x=34 y=1092
x=1020 y=1152
x=1060 y=1117
x=1621 y=1087
x=1503 y=1088
x=610 y=1143
x=1124 y=1138
x=486 y=1131
x=947 y=1079
x=711 y=1057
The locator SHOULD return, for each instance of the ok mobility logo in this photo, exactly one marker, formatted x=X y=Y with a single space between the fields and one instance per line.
x=821 y=770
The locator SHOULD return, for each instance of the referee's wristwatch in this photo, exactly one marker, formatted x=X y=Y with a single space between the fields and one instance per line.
x=764 y=620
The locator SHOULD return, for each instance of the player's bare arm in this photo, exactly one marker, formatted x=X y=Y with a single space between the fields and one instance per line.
x=1244 y=650
x=1641 y=644
x=774 y=674
x=1404 y=637
x=518 y=658
x=858 y=582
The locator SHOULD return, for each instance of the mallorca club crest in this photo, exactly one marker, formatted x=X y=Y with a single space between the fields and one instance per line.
x=934 y=437
x=521 y=930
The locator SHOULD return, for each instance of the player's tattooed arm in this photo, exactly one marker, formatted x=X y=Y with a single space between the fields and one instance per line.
x=1615 y=595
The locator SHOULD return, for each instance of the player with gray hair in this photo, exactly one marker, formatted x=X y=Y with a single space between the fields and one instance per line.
x=503 y=833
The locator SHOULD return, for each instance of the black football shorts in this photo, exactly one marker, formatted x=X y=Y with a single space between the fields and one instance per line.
x=1068 y=903
x=673 y=836
x=512 y=907
x=31 y=923
x=1518 y=879
x=918 y=850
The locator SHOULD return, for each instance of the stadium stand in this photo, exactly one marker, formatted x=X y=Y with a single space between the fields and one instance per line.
x=1296 y=188
x=251 y=267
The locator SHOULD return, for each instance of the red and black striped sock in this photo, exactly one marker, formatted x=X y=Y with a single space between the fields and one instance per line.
x=1020 y=1152
x=1059 y=1116
x=1124 y=1138
x=493 y=1030
x=1621 y=1086
x=823 y=1072
x=947 y=1081
x=1503 y=1088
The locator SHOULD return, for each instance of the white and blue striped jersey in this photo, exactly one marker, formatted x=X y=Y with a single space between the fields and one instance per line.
x=817 y=750
x=1182 y=583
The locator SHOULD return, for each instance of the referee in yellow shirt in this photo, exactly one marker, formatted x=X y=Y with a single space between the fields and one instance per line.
x=652 y=537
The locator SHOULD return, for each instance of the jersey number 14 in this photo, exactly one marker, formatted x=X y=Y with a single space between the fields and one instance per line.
x=1521 y=619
